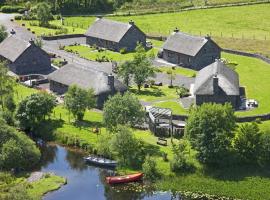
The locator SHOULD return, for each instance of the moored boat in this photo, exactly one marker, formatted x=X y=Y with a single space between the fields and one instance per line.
x=124 y=179
x=99 y=161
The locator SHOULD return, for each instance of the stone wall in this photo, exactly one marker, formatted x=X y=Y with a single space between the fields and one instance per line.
x=59 y=37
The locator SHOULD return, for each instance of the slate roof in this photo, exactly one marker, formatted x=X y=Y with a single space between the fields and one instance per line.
x=12 y=48
x=108 y=30
x=228 y=79
x=185 y=44
x=85 y=78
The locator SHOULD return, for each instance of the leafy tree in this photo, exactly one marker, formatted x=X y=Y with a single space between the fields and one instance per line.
x=16 y=149
x=33 y=109
x=265 y=148
x=3 y=33
x=210 y=129
x=180 y=161
x=171 y=75
x=181 y=91
x=103 y=145
x=6 y=84
x=149 y=169
x=9 y=103
x=142 y=67
x=77 y=100
x=247 y=142
x=125 y=71
x=44 y=14
x=122 y=110
x=127 y=148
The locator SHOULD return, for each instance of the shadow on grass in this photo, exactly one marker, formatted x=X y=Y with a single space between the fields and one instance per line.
x=152 y=150
x=85 y=124
x=237 y=173
x=46 y=129
x=155 y=92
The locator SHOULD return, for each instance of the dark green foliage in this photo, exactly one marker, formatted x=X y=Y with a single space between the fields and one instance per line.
x=9 y=103
x=43 y=12
x=265 y=148
x=11 y=9
x=247 y=142
x=182 y=91
x=77 y=100
x=103 y=145
x=149 y=169
x=122 y=110
x=16 y=149
x=210 y=129
x=3 y=33
x=33 y=109
x=180 y=162
x=125 y=71
x=129 y=150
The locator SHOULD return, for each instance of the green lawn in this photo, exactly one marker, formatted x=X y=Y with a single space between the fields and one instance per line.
x=46 y=184
x=176 y=107
x=179 y=70
x=92 y=54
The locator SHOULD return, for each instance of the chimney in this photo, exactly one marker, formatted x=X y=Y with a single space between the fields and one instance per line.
x=111 y=81
x=176 y=30
x=208 y=37
x=215 y=84
x=31 y=41
x=131 y=22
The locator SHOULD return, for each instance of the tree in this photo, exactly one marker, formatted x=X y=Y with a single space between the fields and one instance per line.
x=247 y=142
x=149 y=169
x=6 y=84
x=210 y=129
x=3 y=33
x=125 y=71
x=103 y=145
x=127 y=148
x=171 y=75
x=265 y=148
x=142 y=67
x=122 y=110
x=77 y=100
x=33 y=109
x=44 y=14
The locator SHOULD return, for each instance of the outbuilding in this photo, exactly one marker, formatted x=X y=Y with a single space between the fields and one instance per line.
x=114 y=35
x=189 y=51
x=24 y=57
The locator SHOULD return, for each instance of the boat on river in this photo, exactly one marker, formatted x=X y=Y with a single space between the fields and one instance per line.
x=124 y=179
x=99 y=161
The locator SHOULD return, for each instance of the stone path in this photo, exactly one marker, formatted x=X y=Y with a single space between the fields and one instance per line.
x=35 y=176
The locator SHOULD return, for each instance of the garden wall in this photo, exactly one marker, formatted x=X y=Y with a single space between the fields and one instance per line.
x=59 y=37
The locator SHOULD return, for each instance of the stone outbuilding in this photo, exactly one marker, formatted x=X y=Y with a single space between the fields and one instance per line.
x=217 y=83
x=115 y=35
x=190 y=51
x=104 y=85
x=24 y=57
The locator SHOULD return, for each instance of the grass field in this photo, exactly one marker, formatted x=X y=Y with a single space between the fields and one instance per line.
x=176 y=107
x=179 y=70
x=92 y=54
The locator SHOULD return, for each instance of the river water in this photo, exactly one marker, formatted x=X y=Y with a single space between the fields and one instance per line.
x=85 y=182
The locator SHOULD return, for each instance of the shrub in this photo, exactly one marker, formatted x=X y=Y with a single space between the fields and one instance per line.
x=11 y=9
x=123 y=51
x=18 y=17
x=149 y=169
x=61 y=31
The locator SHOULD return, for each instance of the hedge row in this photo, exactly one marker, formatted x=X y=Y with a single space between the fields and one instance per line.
x=12 y=9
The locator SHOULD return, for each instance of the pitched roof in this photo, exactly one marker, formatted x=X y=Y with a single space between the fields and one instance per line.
x=184 y=43
x=85 y=78
x=108 y=30
x=12 y=47
x=228 y=79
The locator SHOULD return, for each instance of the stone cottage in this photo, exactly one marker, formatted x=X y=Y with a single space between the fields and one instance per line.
x=103 y=84
x=190 y=51
x=24 y=57
x=115 y=35
x=217 y=83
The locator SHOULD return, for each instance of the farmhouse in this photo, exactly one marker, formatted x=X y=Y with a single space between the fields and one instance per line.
x=115 y=35
x=103 y=84
x=217 y=83
x=24 y=57
x=190 y=51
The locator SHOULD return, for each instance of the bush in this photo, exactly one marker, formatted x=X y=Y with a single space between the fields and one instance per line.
x=12 y=9
x=149 y=169
x=61 y=31
x=123 y=51
x=18 y=17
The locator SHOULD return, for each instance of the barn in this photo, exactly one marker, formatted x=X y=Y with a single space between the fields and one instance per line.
x=190 y=51
x=115 y=35
x=24 y=57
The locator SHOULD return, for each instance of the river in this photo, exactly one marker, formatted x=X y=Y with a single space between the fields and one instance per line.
x=86 y=182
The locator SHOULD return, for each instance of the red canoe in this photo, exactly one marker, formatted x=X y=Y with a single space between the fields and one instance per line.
x=124 y=179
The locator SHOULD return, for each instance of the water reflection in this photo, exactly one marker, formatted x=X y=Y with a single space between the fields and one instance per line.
x=87 y=182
